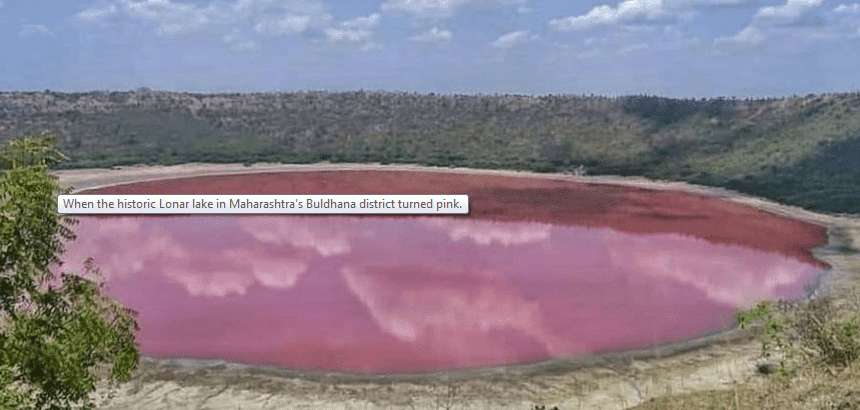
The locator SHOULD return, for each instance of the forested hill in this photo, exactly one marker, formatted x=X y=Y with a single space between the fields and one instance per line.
x=802 y=151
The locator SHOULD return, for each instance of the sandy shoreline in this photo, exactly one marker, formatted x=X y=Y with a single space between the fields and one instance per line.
x=606 y=382
x=81 y=179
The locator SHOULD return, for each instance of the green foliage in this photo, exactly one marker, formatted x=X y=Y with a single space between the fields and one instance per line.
x=131 y=137
x=38 y=151
x=812 y=331
x=826 y=181
x=59 y=334
x=772 y=324
x=799 y=151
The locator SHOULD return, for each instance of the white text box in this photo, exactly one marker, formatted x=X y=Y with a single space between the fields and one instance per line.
x=263 y=204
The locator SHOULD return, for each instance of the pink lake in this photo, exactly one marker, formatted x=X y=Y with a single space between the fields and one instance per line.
x=416 y=294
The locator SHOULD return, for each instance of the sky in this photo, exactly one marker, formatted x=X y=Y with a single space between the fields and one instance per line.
x=674 y=48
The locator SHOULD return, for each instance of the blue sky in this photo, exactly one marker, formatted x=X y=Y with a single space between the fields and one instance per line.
x=678 y=48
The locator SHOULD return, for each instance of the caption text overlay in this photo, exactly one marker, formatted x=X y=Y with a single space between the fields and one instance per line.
x=263 y=204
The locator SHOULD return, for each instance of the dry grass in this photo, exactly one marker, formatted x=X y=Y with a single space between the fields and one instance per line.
x=814 y=387
x=819 y=345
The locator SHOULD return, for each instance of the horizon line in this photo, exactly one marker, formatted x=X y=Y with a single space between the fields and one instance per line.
x=147 y=90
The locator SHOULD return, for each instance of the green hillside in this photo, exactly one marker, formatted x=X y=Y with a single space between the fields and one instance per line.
x=801 y=151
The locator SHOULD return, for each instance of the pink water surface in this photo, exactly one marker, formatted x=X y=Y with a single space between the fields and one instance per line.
x=395 y=294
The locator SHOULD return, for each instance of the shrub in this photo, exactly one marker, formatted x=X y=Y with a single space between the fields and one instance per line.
x=812 y=330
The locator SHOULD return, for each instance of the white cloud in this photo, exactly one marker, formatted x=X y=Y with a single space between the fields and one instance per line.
x=289 y=24
x=434 y=35
x=633 y=48
x=229 y=20
x=735 y=276
x=354 y=32
x=630 y=10
x=253 y=8
x=171 y=18
x=487 y=232
x=328 y=238
x=844 y=21
x=347 y=36
x=35 y=30
x=793 y=19
x=511 y=39
x=767 y=21
x=451 y=315
x=270 y=17
x=364 y=22
x=424 y=9
x=213 y=284
x=852 y=9
x=667 y=33
x=792 y=9
x=750 y=35
x=421 y=8
x=279 y=273
x=243 y=46
x=97 y=14
x=237 y=42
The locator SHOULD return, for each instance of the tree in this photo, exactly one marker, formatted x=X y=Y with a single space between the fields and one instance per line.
x=59 y=333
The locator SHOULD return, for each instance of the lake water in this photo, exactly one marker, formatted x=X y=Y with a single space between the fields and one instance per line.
x=412 y=294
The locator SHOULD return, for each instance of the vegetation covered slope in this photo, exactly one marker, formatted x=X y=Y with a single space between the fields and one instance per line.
x=801 y=151
x=60 y=333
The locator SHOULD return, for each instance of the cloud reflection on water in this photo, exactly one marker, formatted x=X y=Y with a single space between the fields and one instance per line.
x=441 y=292
x=732 y=275
x=487 y=232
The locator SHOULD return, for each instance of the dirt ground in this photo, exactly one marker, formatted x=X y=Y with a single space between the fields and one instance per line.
x=615 y=381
